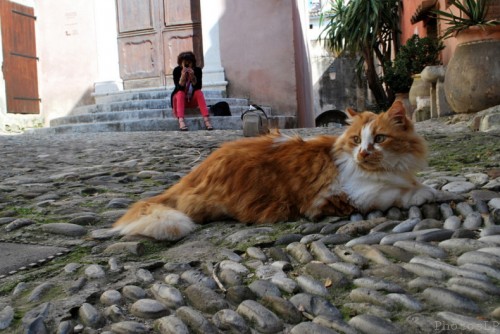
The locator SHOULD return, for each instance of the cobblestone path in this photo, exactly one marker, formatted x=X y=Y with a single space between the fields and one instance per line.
x=429 y=269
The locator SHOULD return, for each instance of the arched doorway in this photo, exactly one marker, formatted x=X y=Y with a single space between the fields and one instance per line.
x=331 y=118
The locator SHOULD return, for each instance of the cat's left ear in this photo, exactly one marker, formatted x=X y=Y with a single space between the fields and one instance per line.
x=397 y=112
x=351 y=113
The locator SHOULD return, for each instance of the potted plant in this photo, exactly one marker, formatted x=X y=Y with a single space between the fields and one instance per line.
x=402 y=75
x=470 y=20
x=472 y=76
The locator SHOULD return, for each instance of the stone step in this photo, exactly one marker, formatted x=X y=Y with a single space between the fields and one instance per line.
x=162 y=124
x=115 y=116
x=102 y=117
x=149 y=94
x=143 y=104
x=149 y=110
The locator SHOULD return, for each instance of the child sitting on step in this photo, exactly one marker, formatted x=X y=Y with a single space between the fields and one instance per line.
x=187 y=92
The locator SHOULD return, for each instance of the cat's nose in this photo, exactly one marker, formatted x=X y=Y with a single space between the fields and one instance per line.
x=364 y=153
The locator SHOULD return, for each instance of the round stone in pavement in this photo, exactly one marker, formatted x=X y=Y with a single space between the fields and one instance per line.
x=371 y=324
x=260 y=318
x=94 y=271
x=111 y=297
x=311 y=327
x=129 y=327
x=459 y=187
x=167 y=295
x=283 y=308
x=70 y=230
x=450 y=300
x=90 y=316
x=133 y=292
x=205 y=299
x=171 y=325
x=229 y=320
x=195 y=321
x=148 y=309
x=6 y=317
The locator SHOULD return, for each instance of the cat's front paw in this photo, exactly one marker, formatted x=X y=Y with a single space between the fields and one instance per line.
x=422 y=195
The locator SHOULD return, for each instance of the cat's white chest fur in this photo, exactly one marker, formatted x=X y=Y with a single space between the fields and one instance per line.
x=379 y=190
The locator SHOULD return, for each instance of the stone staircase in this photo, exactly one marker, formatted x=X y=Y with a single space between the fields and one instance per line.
x=149 y=110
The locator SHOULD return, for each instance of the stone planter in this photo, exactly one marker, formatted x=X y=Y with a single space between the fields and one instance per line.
x=474 y=34
x=419 y=87
x=423 y=110
x=472 y=77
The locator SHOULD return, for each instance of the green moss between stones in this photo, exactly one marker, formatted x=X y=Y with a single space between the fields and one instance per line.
x=456 y=152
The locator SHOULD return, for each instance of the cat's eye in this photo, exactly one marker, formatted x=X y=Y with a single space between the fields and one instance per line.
x=379 y=138
x=356 y=139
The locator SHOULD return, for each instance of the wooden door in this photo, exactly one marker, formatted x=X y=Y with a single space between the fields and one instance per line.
x=151 y=33
x=181 y=31
x=19 y=58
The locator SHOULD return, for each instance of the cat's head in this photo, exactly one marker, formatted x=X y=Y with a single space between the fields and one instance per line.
x=386 y=142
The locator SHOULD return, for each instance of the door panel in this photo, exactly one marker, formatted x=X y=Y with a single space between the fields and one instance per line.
x=151 y=35
x=176 y=12
x=177 y=41
x=182 y=32
x=19 y=58
x=139 y=56
x=134 y=15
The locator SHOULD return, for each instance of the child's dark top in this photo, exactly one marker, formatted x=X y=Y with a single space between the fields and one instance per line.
x=177 y=77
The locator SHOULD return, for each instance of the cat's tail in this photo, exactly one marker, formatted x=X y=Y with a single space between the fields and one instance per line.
x=154 y=220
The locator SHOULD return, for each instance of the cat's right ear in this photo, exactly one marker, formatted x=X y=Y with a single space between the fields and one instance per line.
x=397 y=112
x=351 y=113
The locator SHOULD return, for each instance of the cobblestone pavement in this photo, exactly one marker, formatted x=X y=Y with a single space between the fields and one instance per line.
x=429 y=269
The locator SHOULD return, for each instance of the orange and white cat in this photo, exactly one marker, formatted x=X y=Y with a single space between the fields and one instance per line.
x=275 y=178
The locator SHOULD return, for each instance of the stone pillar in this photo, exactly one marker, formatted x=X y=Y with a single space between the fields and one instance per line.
x=213 y=72
x=443 y=108
x=434 y=113
x=107 y=48
x=439 y=105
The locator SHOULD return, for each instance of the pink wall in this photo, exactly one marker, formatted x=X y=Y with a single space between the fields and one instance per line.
x=303 y=78
x=258 y=54
x=450 y=43
x=408 y=29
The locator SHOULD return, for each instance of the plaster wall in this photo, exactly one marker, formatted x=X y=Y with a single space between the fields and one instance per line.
x=68 y=67
x=258 y=54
